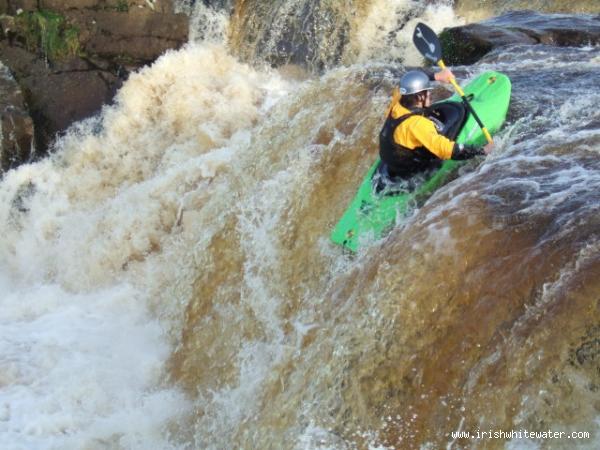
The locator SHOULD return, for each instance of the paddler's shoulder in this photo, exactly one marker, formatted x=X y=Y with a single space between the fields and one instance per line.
x=398 y=111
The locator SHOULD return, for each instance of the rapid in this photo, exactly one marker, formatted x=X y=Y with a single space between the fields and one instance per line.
x=167 y=279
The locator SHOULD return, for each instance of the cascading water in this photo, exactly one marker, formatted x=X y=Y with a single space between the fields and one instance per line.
x=167 y=279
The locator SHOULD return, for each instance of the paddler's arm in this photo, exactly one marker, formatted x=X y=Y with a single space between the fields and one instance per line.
x=443 y=76
x=424 y=131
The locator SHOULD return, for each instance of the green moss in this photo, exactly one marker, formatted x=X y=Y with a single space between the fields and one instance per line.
x=122 y=6
x=48 y=32
x=457 y=50
x=451 y=48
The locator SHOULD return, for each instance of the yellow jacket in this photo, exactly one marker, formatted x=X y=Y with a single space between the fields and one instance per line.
x=419 y=131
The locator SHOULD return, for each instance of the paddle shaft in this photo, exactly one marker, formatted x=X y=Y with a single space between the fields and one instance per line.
x=460 y=92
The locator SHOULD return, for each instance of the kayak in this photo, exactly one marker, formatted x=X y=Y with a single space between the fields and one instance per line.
x=375 y=209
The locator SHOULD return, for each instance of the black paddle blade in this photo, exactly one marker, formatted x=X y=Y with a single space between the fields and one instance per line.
x=427 y=43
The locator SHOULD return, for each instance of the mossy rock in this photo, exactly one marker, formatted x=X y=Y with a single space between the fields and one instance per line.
x=49 y=33
x=469 y=43
x=458 y=48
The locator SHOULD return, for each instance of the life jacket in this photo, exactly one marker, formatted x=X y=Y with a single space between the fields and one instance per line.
x=402 y=161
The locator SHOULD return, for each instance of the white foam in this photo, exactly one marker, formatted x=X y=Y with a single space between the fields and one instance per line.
x=377 y=36
x=100 y=244
x=80 y=369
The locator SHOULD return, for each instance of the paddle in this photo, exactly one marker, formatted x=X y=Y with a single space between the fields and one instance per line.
x=429 y=45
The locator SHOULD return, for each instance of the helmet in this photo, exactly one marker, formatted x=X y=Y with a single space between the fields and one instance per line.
x=414 y=81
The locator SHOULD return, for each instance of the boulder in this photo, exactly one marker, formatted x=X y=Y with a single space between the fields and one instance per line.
x=467 y=44
x=16 y=126
x=553 y=29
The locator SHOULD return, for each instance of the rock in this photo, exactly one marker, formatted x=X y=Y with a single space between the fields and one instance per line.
x=61 y=94
x=475 y=10
x=70 y=97
x=16 y=126
x=162 y=6
x=70 y=57
x=139 y=34
x=12 y=6
x=467 y=44
x=553 y=29
x=63 y=5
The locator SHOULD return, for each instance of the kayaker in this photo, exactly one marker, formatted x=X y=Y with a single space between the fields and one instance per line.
x=410 y=142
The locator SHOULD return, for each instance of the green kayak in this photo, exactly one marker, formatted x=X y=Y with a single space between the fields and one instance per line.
x=374 y=211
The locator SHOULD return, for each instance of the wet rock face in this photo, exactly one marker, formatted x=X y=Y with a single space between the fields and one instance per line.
x=61 y=93
x=16 y=126
x=139 y=35
x=467 y=44
x=12 y=6
x=70 y=57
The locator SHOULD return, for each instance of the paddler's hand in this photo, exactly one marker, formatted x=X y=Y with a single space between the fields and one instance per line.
x=488 y=148
x=444 y=76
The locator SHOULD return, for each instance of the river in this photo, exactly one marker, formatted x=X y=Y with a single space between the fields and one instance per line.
x=167 y=279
